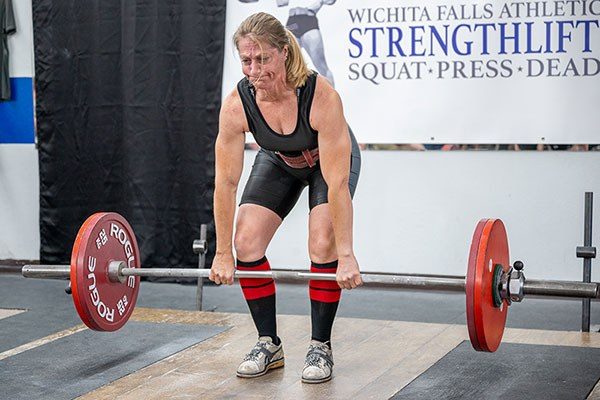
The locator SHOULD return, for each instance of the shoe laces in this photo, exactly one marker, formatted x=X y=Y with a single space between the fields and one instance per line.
x=318 y=356
x=255 y=353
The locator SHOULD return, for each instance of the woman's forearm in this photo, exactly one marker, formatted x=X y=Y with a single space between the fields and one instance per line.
x=224 y=210
x=340 y=204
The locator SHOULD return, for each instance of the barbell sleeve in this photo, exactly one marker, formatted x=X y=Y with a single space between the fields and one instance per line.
x=46 y=271
x=561 y=289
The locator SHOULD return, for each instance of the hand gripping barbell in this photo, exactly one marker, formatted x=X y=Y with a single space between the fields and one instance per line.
x=105 y=276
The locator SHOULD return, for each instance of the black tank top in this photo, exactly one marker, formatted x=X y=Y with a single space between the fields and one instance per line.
x=302 y=138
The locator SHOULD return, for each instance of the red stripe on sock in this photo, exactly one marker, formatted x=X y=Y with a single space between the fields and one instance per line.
x=256 y=288
x=325 y=296
x=323 y=284
x=259 y=292
x=249 y=282
x=333 y=292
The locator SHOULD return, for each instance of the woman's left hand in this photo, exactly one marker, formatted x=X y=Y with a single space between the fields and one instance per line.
x=348 y=274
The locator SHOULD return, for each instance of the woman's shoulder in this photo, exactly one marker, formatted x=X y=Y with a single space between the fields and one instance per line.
x=232 y=100
x=232 y=110
x=325 y=94
x=326 y=105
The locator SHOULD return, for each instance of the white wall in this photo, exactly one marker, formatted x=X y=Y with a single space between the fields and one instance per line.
x=19 y=202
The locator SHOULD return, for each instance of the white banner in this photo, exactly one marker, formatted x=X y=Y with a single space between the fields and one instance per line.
x=441 y=72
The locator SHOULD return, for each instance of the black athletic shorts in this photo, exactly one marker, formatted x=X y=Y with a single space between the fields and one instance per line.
x=300 y=24
x=275 y=185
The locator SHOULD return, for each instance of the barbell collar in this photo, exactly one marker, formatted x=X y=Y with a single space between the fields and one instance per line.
x=199 y=246
x=115 y=269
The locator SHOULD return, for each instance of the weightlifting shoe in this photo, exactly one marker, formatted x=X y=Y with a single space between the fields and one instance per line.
x=319 y=363
x=265 y=355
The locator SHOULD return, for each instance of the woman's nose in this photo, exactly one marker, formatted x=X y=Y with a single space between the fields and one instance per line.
x=254 y=67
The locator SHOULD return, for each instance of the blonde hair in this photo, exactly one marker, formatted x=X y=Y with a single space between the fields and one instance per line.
x=263 y=27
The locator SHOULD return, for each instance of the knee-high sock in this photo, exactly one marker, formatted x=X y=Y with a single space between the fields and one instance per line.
x=324 y=300
x=260 y=296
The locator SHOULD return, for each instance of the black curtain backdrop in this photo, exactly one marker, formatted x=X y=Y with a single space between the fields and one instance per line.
x=127 y=100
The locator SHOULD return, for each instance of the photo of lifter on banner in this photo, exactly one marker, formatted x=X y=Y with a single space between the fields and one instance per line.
x=303 y=23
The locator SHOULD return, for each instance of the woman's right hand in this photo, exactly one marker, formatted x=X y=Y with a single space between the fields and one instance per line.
x=222 y=270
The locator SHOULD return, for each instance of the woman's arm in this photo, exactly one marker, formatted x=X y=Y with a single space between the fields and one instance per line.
x=229 y=157
x=327 y=117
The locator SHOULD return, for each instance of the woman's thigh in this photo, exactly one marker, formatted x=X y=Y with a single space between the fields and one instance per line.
x=255 y=227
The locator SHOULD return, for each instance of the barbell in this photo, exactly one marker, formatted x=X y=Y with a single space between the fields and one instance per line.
x=105 y=276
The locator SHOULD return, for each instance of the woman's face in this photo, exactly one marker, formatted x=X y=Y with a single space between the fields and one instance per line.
x=261 y=63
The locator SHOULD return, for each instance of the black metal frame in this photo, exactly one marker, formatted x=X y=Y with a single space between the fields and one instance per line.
x=587 y=252
x=200 y=248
